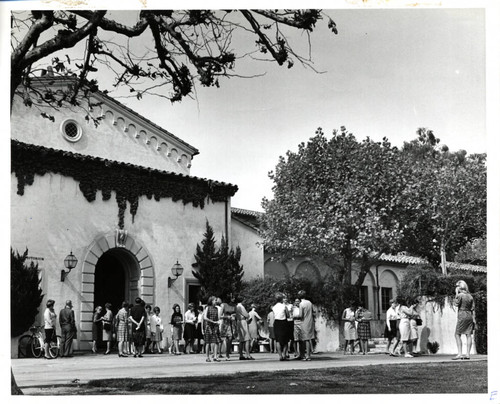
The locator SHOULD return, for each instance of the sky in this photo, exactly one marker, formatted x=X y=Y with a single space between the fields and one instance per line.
x=387 y=73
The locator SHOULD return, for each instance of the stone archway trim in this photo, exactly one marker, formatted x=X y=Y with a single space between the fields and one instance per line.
x=98 y=247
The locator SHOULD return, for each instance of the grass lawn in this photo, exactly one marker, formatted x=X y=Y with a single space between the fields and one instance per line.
x=425 y=378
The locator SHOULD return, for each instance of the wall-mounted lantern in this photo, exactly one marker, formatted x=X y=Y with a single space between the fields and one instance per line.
x=177 y=270
x=69 y=262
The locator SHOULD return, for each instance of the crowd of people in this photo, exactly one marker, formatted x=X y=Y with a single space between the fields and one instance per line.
x=400 y=326
x=138 y=328
x=402 y=322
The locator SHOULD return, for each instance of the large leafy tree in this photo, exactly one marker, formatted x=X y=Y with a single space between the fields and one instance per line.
x=25 y=293
x=474 y=252
x=342 y=198
x=218 y=269
x=449 y=208
x=338 y=197
x=163 y=52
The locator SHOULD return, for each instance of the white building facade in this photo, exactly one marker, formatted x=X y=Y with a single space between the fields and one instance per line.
x=119 y=197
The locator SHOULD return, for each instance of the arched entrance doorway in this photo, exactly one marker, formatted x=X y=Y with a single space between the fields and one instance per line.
x=113 y=272
x=116 y=267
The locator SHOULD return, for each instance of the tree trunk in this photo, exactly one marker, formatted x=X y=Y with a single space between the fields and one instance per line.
x=443 y=259
x=15 y=81
x=366 y=264
x=347 y=255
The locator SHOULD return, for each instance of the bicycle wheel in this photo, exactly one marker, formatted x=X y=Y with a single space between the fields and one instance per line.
x=54 y=347
x=36 y=347
x=24 y=347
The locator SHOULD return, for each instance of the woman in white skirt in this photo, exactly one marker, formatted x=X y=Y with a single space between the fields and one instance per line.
x=156 y=330
x=350 y=334
x=405 y=313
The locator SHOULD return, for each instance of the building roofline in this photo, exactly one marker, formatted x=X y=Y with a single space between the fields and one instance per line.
x=28 y=146
x=403 y=259
x=61 y=80
x=466 y=267
x=245 y=223
x=246 y=212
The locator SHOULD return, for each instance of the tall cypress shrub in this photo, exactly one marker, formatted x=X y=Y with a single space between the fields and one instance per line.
x=217 y=269
x=25 y=293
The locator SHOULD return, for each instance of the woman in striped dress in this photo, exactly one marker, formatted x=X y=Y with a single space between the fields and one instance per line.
x=364 y=332
x=212 y=329
x=122 y=329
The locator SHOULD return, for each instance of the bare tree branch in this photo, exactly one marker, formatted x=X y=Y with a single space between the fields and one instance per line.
x=41 y=24
x=280 y=57
x=64 y=39
x=307 y=20
x=110 y=25
x=185 y=46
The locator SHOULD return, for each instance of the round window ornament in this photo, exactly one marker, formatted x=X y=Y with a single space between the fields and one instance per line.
x=71 y=130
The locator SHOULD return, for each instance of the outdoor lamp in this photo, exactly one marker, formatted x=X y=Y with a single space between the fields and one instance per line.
x=177 y=270
x=69 y=262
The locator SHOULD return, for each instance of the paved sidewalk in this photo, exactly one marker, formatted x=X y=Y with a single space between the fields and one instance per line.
x=32 y=373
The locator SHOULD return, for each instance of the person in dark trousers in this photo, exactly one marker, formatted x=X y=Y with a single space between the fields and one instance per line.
x=49 y=318
x=68 y=329
x=138 y=319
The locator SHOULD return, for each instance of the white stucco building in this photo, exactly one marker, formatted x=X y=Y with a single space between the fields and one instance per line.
x=119 y=197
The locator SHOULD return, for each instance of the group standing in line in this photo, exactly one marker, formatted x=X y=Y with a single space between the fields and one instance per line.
x=400 y=326
x=139 y=328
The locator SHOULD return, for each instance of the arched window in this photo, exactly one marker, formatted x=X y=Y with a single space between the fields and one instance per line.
x=309 y=271
x=275 y=269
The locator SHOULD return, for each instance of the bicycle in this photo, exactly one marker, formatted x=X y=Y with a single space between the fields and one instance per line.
x=32 y=345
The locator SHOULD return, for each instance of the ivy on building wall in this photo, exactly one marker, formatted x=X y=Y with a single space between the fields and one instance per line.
x=128 y=181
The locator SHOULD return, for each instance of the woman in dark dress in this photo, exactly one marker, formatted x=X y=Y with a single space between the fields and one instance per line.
x=281 y=330
x=107 y=324
x=212 y=329
x=199 y=329
x=190 y=319
x=176 y=329
x=96 y=328
x=465 y=318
